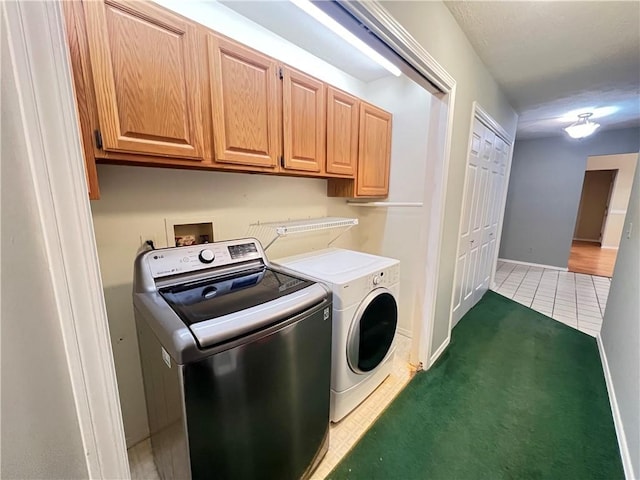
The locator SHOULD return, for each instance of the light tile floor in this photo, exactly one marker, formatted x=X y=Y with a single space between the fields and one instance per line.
x=575 y=299
x=342 y=436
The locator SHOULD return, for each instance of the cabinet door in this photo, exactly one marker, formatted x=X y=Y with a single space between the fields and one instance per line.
x=145 y=64
x=342 y=132
x=304 y=122
x=244 y=89
x=374 y=152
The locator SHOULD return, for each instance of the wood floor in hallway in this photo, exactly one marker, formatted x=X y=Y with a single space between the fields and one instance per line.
x=590 y=258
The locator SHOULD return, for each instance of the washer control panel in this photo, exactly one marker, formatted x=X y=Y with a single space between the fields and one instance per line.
x=177 y=260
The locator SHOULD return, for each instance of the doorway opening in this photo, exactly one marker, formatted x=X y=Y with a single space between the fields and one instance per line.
x=603 y=206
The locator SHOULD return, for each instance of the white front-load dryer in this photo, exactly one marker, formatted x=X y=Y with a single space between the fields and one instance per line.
x=365 y=318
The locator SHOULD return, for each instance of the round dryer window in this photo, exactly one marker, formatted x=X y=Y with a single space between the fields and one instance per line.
x=372 y=331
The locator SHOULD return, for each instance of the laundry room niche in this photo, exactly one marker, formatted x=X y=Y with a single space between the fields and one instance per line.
x=140 y=203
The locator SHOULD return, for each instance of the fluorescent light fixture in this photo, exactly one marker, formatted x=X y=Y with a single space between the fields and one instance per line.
x=583 y=127
x=313 y=11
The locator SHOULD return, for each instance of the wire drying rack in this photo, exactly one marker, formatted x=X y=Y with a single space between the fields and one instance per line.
x=268 y=233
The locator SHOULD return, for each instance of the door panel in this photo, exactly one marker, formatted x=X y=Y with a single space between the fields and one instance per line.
x=498 y=184
x=147 y=79
x=342 y=132
x=374 y=152
x=472 y=265
x=481 y=212
x=463 y=281
x=596 y=191
x=484 y=211
x=304 y=122
x=457 y=295
x=244 y=93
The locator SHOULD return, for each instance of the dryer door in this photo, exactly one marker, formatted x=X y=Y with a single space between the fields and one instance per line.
x=372 y=331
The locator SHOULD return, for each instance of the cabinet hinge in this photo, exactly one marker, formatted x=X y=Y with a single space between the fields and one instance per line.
x=98 y=136
x=280 y=74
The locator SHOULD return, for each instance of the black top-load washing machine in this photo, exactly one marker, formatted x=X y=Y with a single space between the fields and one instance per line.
x=236 y=360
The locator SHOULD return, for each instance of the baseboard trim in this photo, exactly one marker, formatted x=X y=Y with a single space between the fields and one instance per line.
x=590 y=240
x=609 y=248
x=405 y=332
x=617 y=419
x=518 y=262
x=438 y=352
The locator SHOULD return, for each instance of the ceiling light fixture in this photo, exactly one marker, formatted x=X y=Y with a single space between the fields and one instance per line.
x=583 y=127
x=310 y=9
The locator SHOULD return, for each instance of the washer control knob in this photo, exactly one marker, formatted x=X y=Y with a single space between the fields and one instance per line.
x=376 y=280
x=206 y=256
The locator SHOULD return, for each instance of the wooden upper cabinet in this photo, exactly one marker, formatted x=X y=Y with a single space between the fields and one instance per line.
x=304 y=121
x=244 y=90
x=374 y=152
x=342 y=132
x=145 y=66
x=76 y=40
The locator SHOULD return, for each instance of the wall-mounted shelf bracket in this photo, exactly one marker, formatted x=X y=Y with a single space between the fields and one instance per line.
x=272 y=231
x=384 y=204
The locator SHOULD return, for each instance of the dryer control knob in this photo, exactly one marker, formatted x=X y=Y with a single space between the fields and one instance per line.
x=376 y=280
x=206 y=256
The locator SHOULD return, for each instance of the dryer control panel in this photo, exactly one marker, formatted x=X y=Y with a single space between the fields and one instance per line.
x=384 y=277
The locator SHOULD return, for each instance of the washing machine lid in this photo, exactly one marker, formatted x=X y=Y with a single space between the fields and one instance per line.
x=336 y=265
x=208 y=299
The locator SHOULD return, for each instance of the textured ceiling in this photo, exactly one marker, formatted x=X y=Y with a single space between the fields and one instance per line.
x=552 y=58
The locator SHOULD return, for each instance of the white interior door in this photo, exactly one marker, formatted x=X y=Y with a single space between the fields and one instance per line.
x=493 y=214
x=484 y=211
x=481 y=213
x=467 y=258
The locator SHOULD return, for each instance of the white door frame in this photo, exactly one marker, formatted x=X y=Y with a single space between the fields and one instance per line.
x=479 y=113
x=43 y=76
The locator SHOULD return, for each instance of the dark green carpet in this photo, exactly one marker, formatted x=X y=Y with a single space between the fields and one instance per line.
x=516 y=395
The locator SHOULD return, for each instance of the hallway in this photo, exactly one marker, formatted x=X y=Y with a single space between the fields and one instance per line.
x=575 y=299
x=590 y=258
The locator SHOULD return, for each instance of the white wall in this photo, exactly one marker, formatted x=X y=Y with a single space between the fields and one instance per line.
x=626 y=166
x=620 y=332
x=40 y=434
x=433 y=26
x=395 y=232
